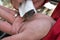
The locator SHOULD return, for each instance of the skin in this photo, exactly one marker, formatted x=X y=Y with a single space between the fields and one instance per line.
x=34 y=28
x=37 y=3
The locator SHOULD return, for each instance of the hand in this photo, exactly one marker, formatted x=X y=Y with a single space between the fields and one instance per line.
x=37 y=3
x=33 y=29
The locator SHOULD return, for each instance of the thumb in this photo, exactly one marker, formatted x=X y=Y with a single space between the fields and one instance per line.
x=14 y=37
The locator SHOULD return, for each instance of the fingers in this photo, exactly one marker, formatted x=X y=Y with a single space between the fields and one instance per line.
x=11 y=29
x=38 y=3
x=17 y=25
x=8 y=10
x=14 y=37
x=16 y=3
x=9 y=17
x=5 y=26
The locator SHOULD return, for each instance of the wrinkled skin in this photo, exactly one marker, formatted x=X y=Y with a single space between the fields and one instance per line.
x=35 y=28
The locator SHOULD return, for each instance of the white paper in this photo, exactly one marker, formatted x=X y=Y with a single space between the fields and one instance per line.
x=50 y=6
x=25 y=7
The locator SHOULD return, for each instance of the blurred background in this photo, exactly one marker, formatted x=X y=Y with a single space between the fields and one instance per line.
x=6 y=3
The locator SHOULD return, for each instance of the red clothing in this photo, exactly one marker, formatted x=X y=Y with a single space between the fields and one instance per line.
x=56 y=13
x=54 y=33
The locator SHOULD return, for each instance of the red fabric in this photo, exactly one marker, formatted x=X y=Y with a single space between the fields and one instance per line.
x=56 y=13
x=58 y=37
x=54 y=33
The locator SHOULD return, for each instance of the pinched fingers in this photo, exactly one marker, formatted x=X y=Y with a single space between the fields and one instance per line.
x=16 y=3
x=11 y=29
x=12 y=12
x=6 y=15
